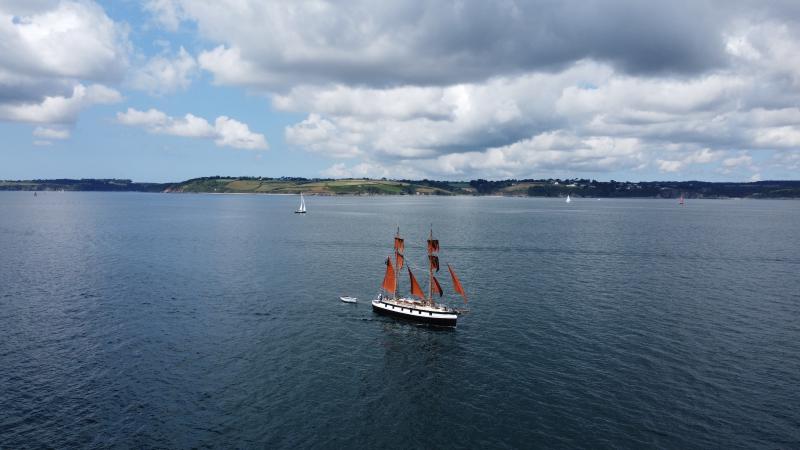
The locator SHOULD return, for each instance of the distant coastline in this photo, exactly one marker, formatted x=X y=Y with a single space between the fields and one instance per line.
x=364 y=186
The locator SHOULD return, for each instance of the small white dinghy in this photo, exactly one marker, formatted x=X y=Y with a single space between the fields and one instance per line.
x=349 y=299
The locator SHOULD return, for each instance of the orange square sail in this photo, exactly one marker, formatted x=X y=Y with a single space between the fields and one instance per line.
x=457 y=284
x=434 y=262
x=399 y=245
x=389 y=280
x=416 y=290
x=436 y=287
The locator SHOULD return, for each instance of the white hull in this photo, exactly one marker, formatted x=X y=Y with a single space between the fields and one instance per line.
x=414 y=310
x=348 y=299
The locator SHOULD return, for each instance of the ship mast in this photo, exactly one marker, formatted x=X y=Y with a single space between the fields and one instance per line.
x=430 y=267
x=399 y=247
x=397 y=262
x=433 y=263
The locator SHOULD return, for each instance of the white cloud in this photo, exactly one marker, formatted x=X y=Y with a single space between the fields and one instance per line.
x=162 y=74
x=400 y=103
x=158 y=122
x=682 y=125
x=232 y=133
x=789 y=162
x=225 y=132
x=189 y=126
x=60 y=109
x=766 y=46
x=741 y=164
x=73 y=39
x=741 y=160
x=323 y=136
x=407 y=122
x=338 y=170
x=669 y=166
x=546 y=152
x=229 y=68
x=56 y=58
x=779 y=137
x=398 y=42
x=461 y=122
x=372 y=169
x=513 y=88
x=51 y=132
x=152 y=118
x=167 y=13
x=703 y=156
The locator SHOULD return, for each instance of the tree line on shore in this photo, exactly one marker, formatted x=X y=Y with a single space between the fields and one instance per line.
x=512 y=187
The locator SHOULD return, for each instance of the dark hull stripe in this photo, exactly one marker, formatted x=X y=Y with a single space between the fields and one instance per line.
x=423 y=319
x=423 y=311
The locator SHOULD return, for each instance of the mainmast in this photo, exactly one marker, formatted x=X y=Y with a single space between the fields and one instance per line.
x=433 y=264
x=399 y=247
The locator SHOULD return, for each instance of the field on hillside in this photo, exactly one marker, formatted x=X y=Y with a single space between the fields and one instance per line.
x=319 y=187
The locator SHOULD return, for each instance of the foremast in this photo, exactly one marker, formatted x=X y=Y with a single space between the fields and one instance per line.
x=391 y=282
x=433 y=265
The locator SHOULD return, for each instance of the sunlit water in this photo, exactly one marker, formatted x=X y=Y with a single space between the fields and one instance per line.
x=163 y=320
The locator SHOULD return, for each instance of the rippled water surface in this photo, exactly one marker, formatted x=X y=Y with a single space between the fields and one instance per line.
x=144 y=320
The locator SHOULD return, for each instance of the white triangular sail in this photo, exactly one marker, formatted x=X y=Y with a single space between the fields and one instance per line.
x=568 y=199
x=302 y=208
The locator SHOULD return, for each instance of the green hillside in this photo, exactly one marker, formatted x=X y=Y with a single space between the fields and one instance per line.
x=319 y=187
x=363 y=186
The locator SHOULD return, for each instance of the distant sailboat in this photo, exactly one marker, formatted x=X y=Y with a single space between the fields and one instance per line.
x=680 y=200
x=302 y=208
x=568 y=199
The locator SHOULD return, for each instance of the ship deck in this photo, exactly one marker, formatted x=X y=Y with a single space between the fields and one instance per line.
x=416 y=312
x=415 y=304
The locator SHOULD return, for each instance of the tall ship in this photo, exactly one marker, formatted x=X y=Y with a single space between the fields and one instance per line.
x=418 y=306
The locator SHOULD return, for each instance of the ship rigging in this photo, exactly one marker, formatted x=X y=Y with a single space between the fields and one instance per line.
x=418 y=307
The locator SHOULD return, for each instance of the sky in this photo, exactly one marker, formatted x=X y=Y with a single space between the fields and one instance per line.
x=166 y=90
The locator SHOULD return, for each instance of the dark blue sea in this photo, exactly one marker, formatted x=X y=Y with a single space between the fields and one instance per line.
x=170 y=320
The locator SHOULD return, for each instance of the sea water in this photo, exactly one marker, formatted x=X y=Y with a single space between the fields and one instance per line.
x=169 y=320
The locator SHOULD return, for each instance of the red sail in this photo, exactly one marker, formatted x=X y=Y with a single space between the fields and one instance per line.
x=399 y=245
x=389 y=280
x=457 y=284
x=415 y=289
x=400 y=260
x=437 y=288
x=434 y=262
x=433 y=245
